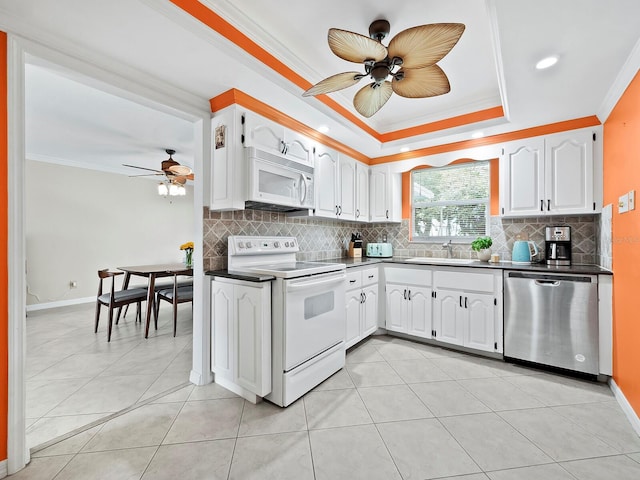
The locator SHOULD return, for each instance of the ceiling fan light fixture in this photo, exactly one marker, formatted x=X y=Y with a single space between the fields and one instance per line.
x=163 y=190
x=415 y=51
x=547 y=62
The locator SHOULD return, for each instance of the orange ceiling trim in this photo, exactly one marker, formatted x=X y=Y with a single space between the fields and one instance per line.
x=237 y=97
x=583 y=122
x=231 y=33
x=466 y=119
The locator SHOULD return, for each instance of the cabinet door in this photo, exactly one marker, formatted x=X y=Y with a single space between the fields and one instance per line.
x=222 y=313
x=569 y=173
x=326 y=182
x=479 y=324
x=262 y=133
x=347 y=178
x=298 y=147
x=419 y=309
x=362 y=192
x=396 y=307
x=522 y=178
x=449 y=316
x=370 y=310
x=379 y=182
x=353 y=307
x=252 y=339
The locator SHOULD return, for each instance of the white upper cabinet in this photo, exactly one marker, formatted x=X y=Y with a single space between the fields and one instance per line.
x=569 y=181
x=298 y=147
x=522 y=175
x=362 y=192
x=551 y=175
x=347 y=190
x=385 y=195
x=262 y=133
x=338 y=181
x=326 y=163
x=270 y=136
x=228 y=183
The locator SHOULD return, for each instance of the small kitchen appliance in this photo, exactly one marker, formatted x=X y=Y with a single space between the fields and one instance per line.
x=379 y=250
x=557 y=245
x=523 y=252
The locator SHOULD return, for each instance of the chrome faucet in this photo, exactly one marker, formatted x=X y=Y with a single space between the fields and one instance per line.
x=449 y=248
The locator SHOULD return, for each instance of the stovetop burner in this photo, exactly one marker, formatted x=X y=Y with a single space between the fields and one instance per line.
x=273 y=256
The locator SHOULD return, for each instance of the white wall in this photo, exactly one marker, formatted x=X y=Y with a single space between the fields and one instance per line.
x=79 y=221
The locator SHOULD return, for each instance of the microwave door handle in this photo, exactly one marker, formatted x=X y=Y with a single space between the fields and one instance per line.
x=303 y=183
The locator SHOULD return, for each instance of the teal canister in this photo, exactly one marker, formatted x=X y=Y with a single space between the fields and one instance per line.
x=523 y=251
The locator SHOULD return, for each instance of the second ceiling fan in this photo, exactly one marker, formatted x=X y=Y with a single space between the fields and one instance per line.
x=175 y=173
x=410 y=60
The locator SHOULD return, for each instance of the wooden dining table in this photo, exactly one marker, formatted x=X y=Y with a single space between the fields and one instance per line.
x=151 y=272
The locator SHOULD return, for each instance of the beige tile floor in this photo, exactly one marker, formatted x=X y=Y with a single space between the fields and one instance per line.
x=74 y=377
x=399 y=410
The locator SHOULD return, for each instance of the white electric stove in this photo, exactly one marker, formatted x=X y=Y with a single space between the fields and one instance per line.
x=308 y=317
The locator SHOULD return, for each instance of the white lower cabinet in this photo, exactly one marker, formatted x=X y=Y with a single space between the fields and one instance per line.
x=241 y=333
x=361 y=304
x=408 y=300
x=467 y=308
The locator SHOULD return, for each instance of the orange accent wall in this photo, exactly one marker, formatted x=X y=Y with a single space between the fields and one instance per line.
x=4 y=234
x=621 y=174
x=493 y=186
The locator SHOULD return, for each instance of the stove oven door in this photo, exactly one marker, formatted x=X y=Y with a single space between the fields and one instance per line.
x=314 y=316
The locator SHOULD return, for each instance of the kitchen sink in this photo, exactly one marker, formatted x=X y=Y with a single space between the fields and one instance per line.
x=443 y=261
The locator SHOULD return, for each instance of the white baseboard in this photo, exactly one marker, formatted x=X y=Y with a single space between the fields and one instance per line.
x=60 y=303
x=626 y=406
x=3 y=469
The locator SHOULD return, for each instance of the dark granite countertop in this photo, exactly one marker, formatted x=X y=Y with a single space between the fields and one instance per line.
x=369 y=261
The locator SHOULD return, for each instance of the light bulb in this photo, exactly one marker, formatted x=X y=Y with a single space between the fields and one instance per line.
x=162 y=189
x=173 y=189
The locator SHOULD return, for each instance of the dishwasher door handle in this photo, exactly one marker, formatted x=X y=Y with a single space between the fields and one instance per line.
x=547 y=283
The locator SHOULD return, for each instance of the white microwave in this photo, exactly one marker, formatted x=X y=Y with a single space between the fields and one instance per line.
x=279 y=182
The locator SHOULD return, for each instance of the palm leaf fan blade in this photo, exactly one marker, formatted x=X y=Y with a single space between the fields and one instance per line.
x=424 y=82
x=334 y=83
x=354 y=47
x=425 y=45
x=371 y=98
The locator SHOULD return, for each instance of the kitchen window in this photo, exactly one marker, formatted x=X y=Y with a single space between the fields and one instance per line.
x=450 y=202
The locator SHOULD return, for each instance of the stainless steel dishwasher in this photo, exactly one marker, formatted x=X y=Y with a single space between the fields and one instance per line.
x=552 y=319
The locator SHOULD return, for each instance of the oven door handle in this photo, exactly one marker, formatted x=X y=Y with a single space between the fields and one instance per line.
x=304 y=285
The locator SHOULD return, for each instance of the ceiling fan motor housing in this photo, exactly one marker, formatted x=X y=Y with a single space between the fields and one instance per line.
x=379 y=29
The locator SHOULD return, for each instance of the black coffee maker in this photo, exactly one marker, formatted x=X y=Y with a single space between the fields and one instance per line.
x=557 y=245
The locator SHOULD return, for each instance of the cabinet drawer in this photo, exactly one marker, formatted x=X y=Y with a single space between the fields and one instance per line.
x=467 y=281
x=354 y=279
x=408 y=276
x=369 y=276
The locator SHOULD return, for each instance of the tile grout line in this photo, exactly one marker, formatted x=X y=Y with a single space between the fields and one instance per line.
x=103 y=420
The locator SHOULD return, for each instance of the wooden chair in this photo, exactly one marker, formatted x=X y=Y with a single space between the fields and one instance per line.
x=118 y=299
x=180 y=292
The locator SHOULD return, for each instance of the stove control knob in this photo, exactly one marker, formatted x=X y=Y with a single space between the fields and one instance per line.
x=286 y=244
x=293 y=243
x=248 y=244
x=240 y=244
x=276 y=244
